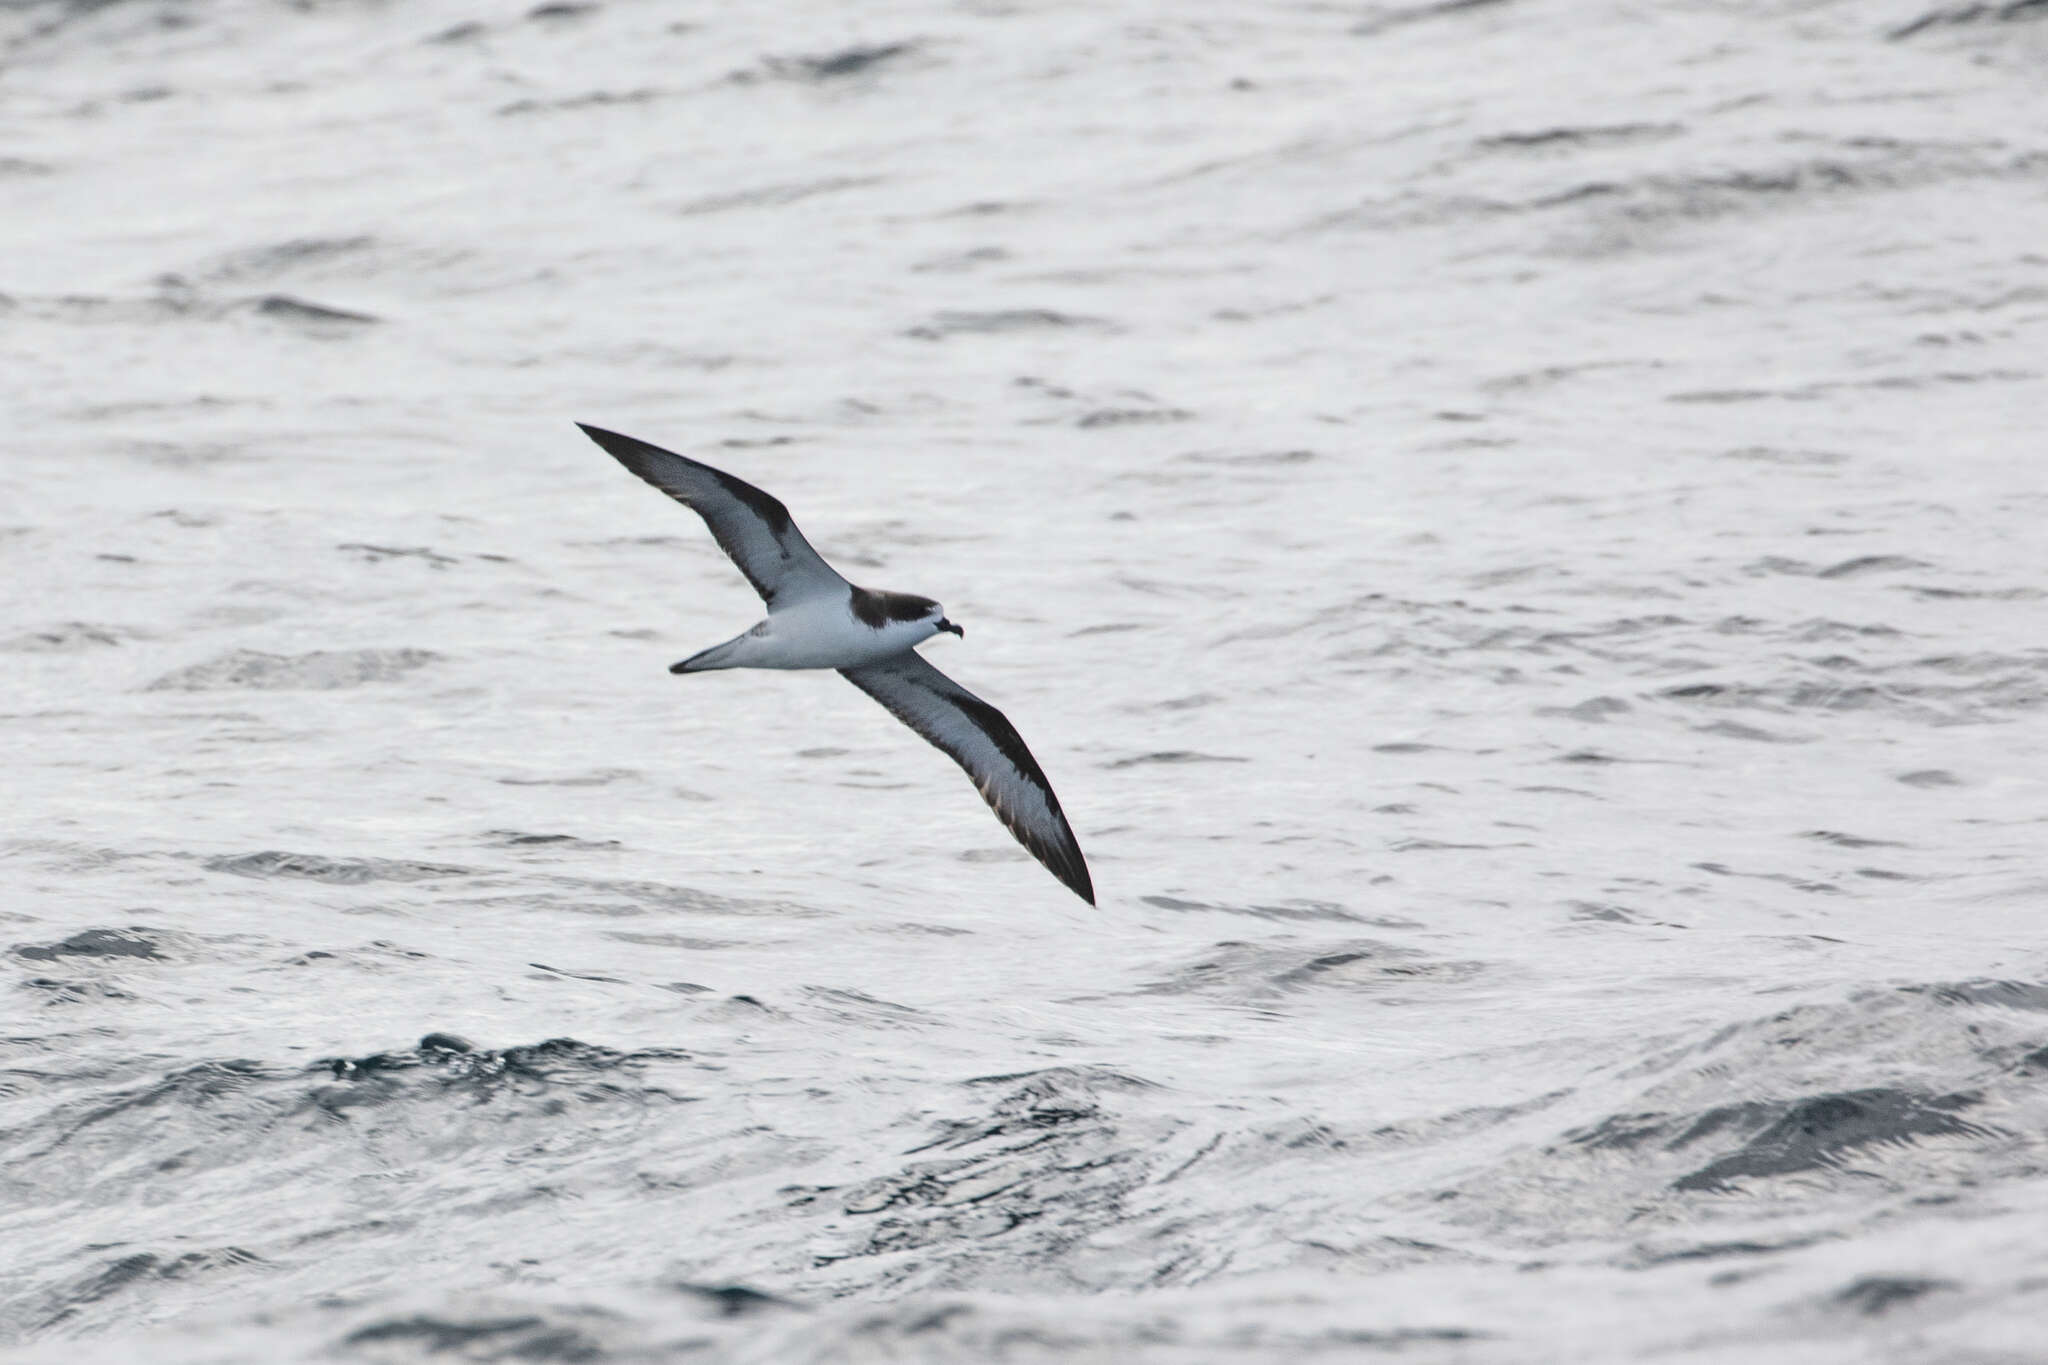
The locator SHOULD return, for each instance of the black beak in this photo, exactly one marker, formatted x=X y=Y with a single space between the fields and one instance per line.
x=944 y=624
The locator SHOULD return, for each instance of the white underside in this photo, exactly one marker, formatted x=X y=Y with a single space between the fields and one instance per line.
x=818 y=634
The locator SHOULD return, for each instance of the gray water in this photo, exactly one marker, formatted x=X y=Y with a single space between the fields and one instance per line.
x=1515 y=529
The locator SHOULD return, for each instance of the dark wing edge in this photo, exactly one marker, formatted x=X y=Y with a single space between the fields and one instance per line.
x=765 y=560
x=900 y=684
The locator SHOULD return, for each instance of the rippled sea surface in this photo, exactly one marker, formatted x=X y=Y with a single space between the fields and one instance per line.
x=1516 y=529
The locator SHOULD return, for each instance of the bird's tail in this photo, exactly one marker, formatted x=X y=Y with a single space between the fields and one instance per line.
x=704 y=660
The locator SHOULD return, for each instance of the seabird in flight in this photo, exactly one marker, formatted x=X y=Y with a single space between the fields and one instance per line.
x=816 y=619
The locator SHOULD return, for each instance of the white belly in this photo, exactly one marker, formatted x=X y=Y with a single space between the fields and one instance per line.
x=823 y=634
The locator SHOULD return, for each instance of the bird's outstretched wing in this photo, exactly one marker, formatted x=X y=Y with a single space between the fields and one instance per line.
x=980 y=739
x=748 y=524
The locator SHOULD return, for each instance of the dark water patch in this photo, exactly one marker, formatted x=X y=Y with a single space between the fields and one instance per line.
x=101 y=308
x=1864 y=565
x=558 y=1096
x=1593 y=710
x=512 y=838
x=1646 y=1258
x=1930 y=779
x=137 y=1269
x=1293 y=910
x=1858 y=166
x=1606 y=912
x=733 y=1300
x=1575 y=138
x=1039 y=1163
x=54 y=991
x=1790 y=1136
x=1782 y=878
x=1522 y=381
x=523 y=1337
x=1821 y=630
x=1435 y=1129
x=993 y=855
x=559 y=10
x=1874 y=1295
x=857 y=1009
x=306 y=313
x=377 y=554
x=1821 y=1132
x=376 y=951
x=1959 y=16
x=951 y=324
x=313 y=867
x=1101 y=418
x=1897 y=383
x=605 y=896
x=201 y=1087
x=1735 y=729
x=1609 y=216
x=1888 y=1098
x=1542 y=789
x=1174 y=757
x=688 y=943
x=956 y=262
x=776 y=196
x=1981 y=663
x=135 y=942
x=1860 y=566
x=1942 y=689
x=1780 y=456
x=597 y=777
x=321 y=670
x=1192 y=701
x=595 y=99
x=178 y=298
x=2032 y=1064
x=286 y=257
x=70 y=637
x=186 y=454
x=1267 y=972
x=831 y=66
x=1942 y=594
x=2011 y=995
x=576 y=976
x=528 y=1324
x=1380 y=18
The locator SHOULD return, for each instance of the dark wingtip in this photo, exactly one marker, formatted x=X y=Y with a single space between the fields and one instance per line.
x=1076 y=878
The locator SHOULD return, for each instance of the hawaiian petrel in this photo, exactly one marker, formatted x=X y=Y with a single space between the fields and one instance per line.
x=816 y=619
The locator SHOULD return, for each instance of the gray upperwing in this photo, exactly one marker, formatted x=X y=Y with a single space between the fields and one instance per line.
x=980 y=739
x=749 y=525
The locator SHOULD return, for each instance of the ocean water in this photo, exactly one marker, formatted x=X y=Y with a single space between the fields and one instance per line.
x=1515 y=528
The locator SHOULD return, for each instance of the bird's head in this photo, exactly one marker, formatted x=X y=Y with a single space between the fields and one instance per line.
x=936 y=618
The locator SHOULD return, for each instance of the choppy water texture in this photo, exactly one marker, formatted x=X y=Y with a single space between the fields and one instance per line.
x=1515 y=528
